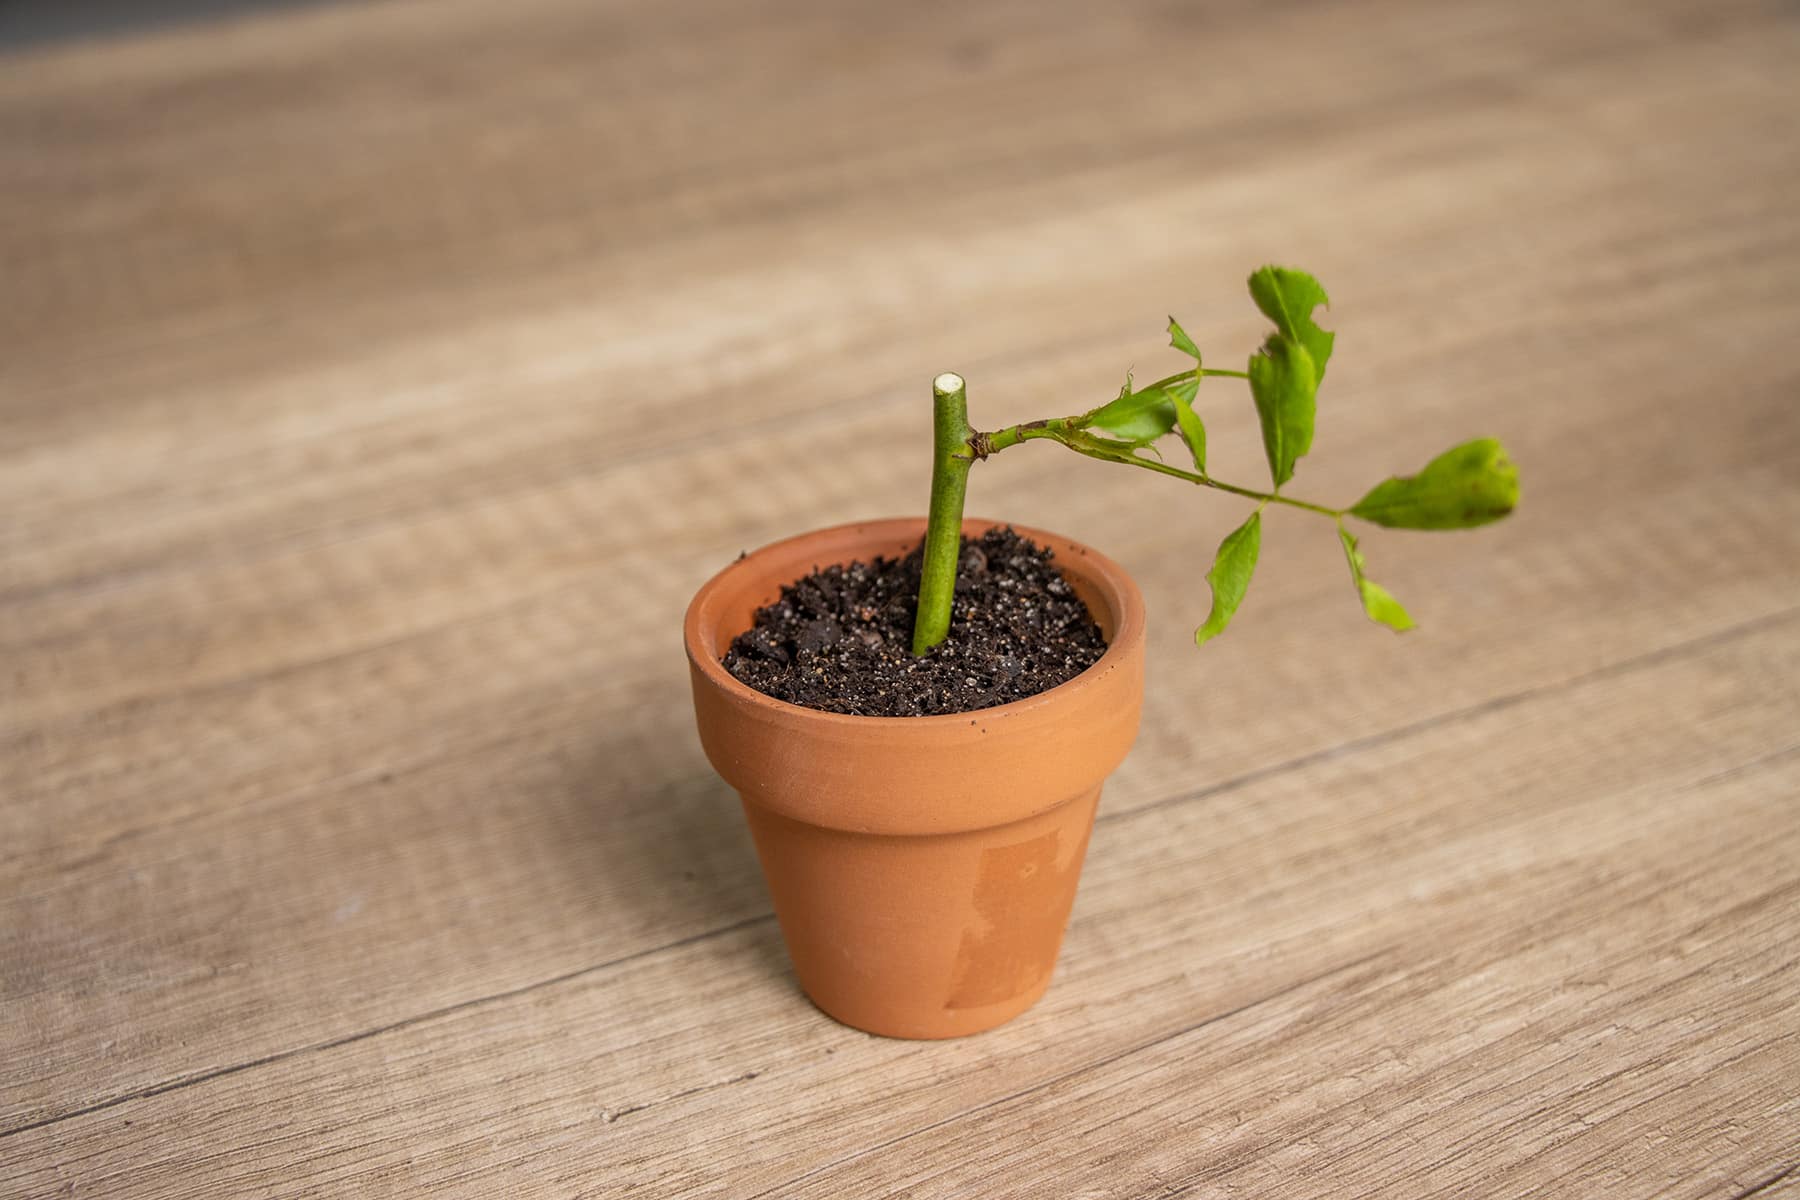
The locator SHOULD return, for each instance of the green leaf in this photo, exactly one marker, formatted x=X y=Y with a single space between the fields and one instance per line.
x=1285 y=389
x=1192 y=431
x=1288 y=297
x=1377 y=601
x=1230 y=576
x=1099 y=447
x=1138 y=417
x=1469 y=485
x=1179 y=339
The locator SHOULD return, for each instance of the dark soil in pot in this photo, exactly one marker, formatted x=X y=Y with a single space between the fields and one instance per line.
x=840 y=639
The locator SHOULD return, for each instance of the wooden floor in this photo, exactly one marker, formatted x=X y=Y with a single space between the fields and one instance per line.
x=378 y=382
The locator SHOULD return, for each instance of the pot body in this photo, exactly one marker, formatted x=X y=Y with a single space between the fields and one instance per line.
x=922 y=868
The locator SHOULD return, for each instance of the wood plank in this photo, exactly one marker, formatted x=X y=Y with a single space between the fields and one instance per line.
x=1345 y=968
x=379 y=839
x=107 y=656
x=425 y=675
x=319 y=852
x=505 y=382
x=352 y=835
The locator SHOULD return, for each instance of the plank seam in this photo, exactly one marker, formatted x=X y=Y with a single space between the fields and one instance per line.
x=1766 y=1184
x=1455 y=716
x=207 y=1076
x=1073 y=1072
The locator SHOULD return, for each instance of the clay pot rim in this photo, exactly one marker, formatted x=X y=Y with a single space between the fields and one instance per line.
x=1107 y=576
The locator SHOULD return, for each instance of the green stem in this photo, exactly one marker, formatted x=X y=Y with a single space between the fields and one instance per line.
x=1012 y=435
x=1201 y=373
x=951 y=456
x=1150 y=464
x=1060 y=429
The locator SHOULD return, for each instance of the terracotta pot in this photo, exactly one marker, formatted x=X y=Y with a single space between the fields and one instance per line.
x=922 y=868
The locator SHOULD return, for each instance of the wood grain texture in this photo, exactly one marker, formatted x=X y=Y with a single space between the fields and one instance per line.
x=378 y=382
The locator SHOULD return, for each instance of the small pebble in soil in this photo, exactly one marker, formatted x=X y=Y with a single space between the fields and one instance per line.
x=840 y=639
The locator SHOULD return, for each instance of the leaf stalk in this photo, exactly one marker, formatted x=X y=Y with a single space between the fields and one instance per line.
x=1060 y=429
